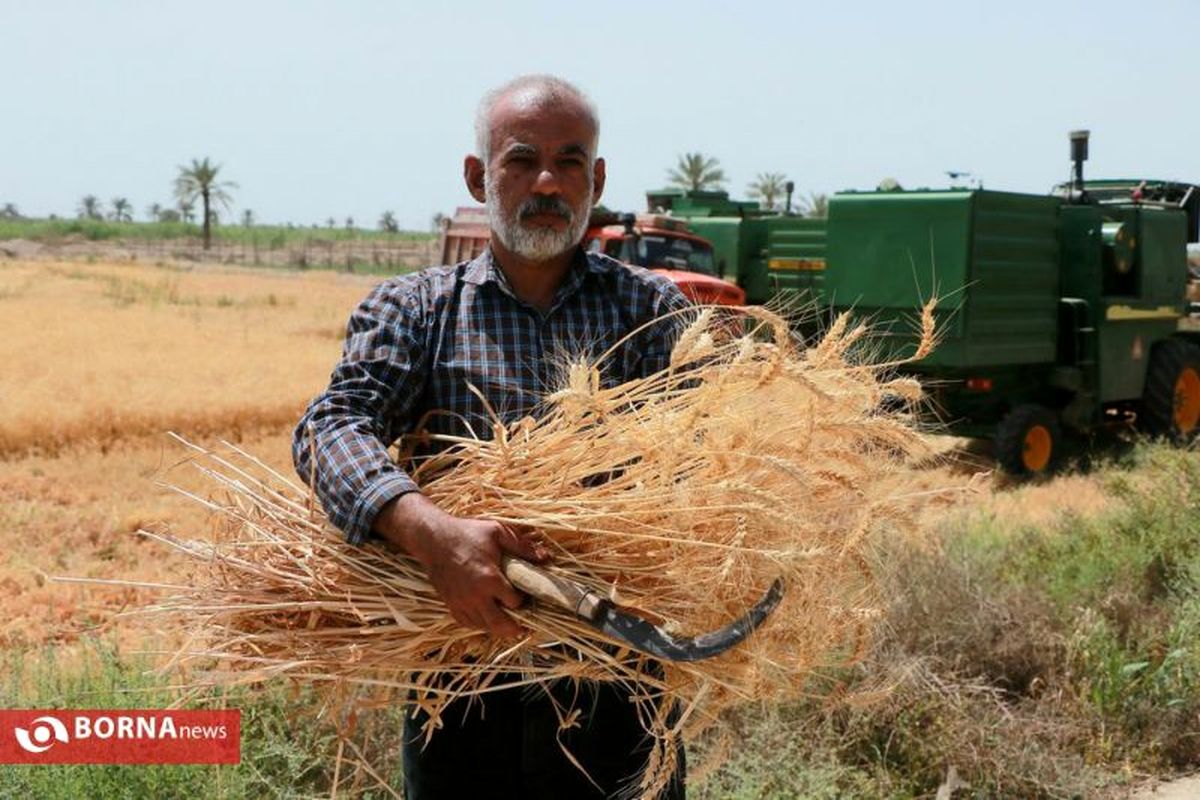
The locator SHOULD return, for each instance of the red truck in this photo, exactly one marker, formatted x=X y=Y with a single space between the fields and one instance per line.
x=655 y=241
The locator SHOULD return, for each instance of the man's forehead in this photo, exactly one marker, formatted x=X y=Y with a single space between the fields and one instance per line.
x=534 y=119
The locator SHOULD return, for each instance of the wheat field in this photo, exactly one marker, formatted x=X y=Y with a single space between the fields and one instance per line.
x=95 y=354
x=100 y=361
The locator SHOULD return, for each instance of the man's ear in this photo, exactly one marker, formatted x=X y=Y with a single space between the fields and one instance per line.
x=598 y=177
x=473 y=176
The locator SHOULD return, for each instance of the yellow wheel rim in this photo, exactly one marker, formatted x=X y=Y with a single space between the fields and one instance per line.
x=1038 y=444
x=1187 y=400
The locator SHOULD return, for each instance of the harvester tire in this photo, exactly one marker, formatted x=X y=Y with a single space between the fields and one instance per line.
x=1171 y=396
x=1028 y=441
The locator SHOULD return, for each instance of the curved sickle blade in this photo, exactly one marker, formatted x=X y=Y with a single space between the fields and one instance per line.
x=654 y=641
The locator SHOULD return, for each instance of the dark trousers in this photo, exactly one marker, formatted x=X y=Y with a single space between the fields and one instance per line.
x=507 y=745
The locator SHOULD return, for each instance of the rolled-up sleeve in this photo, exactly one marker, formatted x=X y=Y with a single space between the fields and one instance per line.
x=340 y=445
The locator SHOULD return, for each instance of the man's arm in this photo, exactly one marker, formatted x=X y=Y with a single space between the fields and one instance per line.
x=340 y=445
x=340 y=448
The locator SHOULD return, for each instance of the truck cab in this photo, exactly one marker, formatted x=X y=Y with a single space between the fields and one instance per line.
x=665 y=246
x=654 y=241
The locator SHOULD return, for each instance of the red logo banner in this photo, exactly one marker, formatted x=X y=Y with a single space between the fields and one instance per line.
x=116 y=736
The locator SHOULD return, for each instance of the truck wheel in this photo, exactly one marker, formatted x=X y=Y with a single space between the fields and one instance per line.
x=1028 y=440
x=1171 y=397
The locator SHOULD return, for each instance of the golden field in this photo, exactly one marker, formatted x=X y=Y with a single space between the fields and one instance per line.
x=100 y=361
x=95 y=354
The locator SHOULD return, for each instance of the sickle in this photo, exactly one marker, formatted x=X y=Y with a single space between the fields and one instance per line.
x=634 y=631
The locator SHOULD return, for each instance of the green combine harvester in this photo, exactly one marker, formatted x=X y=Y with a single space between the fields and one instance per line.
x=1058 y=313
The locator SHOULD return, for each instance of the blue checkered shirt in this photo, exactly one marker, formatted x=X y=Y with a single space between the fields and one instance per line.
x=417 y=341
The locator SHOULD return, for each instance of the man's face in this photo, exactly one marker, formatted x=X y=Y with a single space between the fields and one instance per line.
x=541 y=178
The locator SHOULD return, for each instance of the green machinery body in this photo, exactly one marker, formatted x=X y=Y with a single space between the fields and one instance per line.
x=771 y=256
x=1051 y=300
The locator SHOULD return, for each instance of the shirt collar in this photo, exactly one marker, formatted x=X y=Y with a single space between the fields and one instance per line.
x=483 y=269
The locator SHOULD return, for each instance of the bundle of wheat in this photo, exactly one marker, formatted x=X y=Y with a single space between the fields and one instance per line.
x=682 y=495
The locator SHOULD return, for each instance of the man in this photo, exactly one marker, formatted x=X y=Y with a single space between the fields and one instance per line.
x=500 y=322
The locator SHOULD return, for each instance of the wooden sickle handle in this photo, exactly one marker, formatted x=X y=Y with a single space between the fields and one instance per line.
x=553 y=589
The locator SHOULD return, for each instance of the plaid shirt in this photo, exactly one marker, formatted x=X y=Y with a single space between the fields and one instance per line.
x=416 y=341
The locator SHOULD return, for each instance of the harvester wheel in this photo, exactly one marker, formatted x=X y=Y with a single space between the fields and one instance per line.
x=1028 y=440
x=1171 y=397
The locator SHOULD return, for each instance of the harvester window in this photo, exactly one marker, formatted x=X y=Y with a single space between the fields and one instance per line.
x=1119 y=261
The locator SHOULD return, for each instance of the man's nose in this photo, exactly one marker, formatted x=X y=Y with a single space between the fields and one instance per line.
x=547 y=182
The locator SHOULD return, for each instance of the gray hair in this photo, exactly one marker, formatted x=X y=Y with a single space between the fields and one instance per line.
x=548 y=86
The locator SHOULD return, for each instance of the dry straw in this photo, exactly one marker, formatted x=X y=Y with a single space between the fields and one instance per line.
x=682 y=495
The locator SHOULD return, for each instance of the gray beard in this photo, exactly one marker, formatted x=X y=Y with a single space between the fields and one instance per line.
x=535 y=244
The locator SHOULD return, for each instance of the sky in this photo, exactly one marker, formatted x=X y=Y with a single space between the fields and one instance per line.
x=351 y=108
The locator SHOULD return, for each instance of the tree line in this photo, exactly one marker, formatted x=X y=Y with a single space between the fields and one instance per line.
x=197 y=182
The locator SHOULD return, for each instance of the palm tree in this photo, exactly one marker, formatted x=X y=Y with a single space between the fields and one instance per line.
x=435 y=224
x=349 y=223
x=330 y=222
x=200 y=180
x=154 y=212
x=769 y=187
x=387 y=222
x=817 y=205
x=186 y=209
x=248 y=218
x=89 y=207
x=697 y=172
x=122 y=211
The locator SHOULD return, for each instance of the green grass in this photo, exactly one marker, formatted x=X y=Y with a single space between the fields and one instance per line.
x=286 y=750
x=265 y=236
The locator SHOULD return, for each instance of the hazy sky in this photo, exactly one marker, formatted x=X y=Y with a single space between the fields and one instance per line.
x=321 y=109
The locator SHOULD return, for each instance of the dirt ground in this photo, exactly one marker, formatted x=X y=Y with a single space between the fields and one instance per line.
x=1182 y=789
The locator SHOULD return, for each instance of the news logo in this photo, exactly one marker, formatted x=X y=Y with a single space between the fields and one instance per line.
x=111 y=736
x=46 y=731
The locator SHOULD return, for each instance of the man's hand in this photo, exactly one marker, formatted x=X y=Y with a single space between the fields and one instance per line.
x=462 y=559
